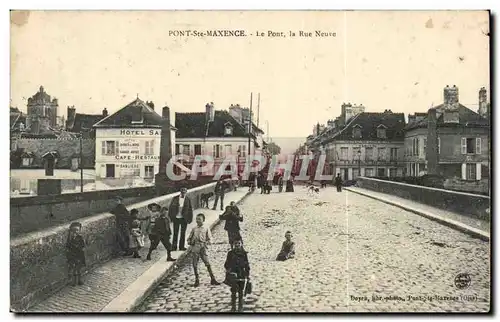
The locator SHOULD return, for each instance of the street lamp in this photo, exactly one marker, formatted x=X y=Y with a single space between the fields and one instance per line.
x=81 y=161
x=359 y=163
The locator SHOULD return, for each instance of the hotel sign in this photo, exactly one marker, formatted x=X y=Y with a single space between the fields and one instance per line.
x=140 y=132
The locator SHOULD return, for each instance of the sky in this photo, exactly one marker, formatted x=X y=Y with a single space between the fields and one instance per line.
x=398 y=60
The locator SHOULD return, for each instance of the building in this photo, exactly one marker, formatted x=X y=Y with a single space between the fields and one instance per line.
x=450 y=140
x=17 y=120
x=42 y=112
x=128 y=143
x=369 y=144
x=83 y=123
x=216 y=133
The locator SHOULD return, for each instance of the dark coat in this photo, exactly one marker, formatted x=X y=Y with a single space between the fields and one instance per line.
x=187 y=210
x=75 y=250
x=232 y=218
x=338 y=181
x=161 y=227
x=122 y=216
x=220 y=187
x=237 y=262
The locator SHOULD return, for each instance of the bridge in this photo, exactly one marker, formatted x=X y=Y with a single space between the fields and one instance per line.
x=359 y=250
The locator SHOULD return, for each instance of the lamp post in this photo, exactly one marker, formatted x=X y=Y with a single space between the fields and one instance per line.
x=359 y=162
x=81 y=161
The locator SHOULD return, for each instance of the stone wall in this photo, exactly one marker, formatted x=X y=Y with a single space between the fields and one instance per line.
x=66 y=149
x=38 y=265
x=471 y=205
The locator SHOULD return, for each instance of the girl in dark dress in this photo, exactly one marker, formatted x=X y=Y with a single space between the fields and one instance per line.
x=75 y=253
x=232 y=217
x=237 y=273
x=287 y=249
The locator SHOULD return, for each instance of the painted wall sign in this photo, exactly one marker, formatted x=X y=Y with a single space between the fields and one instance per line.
x=140 y=132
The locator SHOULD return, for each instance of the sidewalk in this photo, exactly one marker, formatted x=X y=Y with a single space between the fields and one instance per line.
x=121 y=284
x=473 y=226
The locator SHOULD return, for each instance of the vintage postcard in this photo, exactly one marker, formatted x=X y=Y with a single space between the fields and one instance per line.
x=250 y=161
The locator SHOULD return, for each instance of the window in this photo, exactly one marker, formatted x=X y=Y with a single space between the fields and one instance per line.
x=425 y=147
x=186 y=149
x=197 y=149
x=177 y=149
x=439 y=146
x=381 y=154
x=381 y=133
x=369 y=154
x=150 y=147
x=109 y=148
x=394 y=154
x=216 y=151
x=355 y=173
x=393 y=172
x=343 y=154
x=356 y=153
x=471 y=145
x=368 y=172
x=27 y=161
x=228 y=130
x=470 y=170
x=416 y=147
x=149 y=171
x=242 y=149
x=356 y=132
x=381 y=172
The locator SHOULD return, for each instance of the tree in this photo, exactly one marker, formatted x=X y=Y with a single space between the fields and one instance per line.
x=273 y=148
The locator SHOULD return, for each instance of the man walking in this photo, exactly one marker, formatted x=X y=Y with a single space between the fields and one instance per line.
x=220 y=190
x=338 y=182
x=181 y=214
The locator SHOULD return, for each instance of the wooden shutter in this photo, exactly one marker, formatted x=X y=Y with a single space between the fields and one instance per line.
x=117 y=144
x=103 y=147
x=464 y=145
x=478 y=171
x=439 y=146
x=478 y=145
x=464 y=171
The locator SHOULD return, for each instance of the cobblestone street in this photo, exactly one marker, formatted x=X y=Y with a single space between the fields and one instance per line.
x=350 y=249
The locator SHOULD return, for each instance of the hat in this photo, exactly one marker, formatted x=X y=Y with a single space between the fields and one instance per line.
x=154 y=205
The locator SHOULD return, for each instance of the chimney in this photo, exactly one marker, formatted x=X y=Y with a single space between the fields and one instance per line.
x=450 y=96
x=209 y=112
x=70 y=117
x=151 y=105
x=165 y=141
x=104 y=112
x=483 y=103
x=432 y=143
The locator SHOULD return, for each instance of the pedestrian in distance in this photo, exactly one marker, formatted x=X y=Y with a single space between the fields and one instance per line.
x=181 y=214
x=199 y=237
x=220 y=190
x=338 y=182
x=122 y=220
x=75 y=253
x=159 y=231
x=287 y=249
x=233 y=218
x=237 y=274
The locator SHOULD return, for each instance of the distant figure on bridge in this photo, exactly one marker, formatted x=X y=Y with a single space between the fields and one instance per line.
x=338 y=182
x=232 y=217
x=75 y=253
x=220 y=190
x=181 y=214
x=289 y=185
x=237 y=274
x=287 y=249
x=323 y=183
x=198 y=239
x=122 y=220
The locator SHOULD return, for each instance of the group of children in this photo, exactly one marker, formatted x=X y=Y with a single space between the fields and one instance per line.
x=236 y=265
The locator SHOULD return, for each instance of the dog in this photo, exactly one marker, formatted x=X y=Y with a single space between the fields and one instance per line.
x=204 y=199
x=312 y=189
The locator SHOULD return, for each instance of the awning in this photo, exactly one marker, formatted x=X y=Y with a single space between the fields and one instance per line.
x=27 y=155
x=52 y=154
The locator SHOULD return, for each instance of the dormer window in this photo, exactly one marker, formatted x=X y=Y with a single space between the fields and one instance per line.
x=137 y=115
x=381 y=132
x=228 y=129
x=356 y=132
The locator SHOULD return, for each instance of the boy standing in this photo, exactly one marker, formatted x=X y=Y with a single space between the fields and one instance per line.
x=198 y=239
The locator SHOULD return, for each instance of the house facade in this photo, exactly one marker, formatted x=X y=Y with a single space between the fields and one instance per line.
x=217 y=134
x=128 y=143
x=450 y=140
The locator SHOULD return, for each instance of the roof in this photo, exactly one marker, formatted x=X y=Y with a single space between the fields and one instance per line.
x=83 y=122
x=466 y=117
x=137 y=110
x=394 y=124
x=194 y=125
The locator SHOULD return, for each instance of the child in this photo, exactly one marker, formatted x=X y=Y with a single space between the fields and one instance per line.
x=159 y=231
x=232 y=217
x=288 y=248
x=136 y=241
x=75 y=253
x=237 y=273
x=198 y=239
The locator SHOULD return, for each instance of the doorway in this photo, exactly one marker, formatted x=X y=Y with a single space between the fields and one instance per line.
x=110 y=170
